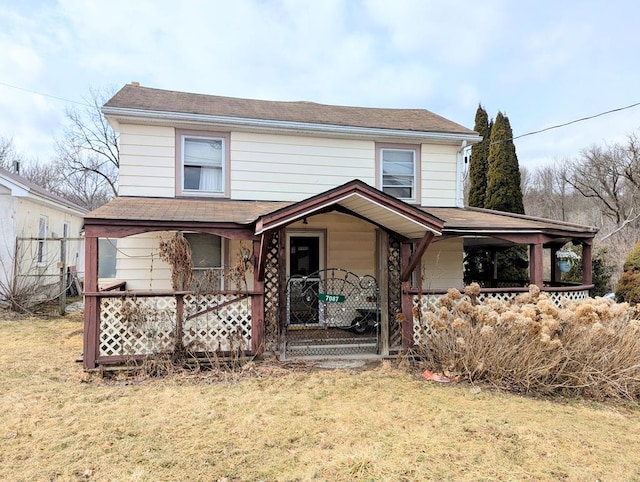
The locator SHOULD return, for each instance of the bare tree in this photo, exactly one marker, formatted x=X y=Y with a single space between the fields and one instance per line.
x=8 y=153
x=546 y=192
x=611 y=177
x=89 y=145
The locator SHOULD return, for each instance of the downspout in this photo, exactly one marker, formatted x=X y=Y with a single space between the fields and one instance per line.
x=459 y=171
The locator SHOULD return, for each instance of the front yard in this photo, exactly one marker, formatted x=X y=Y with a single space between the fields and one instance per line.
x=279 y=422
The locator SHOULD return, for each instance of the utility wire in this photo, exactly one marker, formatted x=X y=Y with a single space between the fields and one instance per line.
x=45 y=95
x=581 y=119
x=576 y=120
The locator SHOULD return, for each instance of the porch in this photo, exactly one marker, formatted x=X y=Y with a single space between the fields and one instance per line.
x=251 y=314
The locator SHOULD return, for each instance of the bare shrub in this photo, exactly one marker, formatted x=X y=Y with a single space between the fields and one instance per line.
x=585 y=348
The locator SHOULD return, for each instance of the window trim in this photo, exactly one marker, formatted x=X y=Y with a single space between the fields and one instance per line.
x=41 y=251
x=180 y=135
x=417 y=168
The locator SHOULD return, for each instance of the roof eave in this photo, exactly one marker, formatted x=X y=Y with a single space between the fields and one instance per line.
x=164 y=117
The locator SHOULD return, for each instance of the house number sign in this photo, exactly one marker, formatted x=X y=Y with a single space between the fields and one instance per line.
x=327 y=298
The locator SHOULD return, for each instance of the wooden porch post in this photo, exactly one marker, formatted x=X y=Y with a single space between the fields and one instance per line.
x=535 y=264
x=383 y=289
x=556 y=274
x=257 y=302
x=587 y=266
x=407 y=302
x=91 y=304
x=282 y=294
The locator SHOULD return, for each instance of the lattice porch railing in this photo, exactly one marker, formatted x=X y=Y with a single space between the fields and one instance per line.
x=134 y=326
x=430 y=302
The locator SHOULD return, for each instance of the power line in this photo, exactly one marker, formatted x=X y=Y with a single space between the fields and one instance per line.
x=45 y=95
x=557 y=126
x=574 y=121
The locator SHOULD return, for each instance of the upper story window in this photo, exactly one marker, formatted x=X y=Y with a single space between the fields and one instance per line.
x=203 y=159
x=398 y=167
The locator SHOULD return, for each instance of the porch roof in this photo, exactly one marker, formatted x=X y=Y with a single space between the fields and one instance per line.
x=452 y=221
x=486 y=222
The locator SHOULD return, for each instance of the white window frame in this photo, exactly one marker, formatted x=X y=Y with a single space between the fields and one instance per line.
x=181 y=138
x=415 y=150
x=41 y=250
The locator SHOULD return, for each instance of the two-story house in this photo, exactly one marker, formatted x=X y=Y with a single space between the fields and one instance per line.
x=313 y=229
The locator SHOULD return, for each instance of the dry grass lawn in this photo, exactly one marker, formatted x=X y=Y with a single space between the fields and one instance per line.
x=279 y=423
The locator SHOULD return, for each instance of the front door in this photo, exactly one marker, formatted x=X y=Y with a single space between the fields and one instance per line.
x=305 y=255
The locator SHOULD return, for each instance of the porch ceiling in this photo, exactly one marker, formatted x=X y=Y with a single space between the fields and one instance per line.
x=361 y=200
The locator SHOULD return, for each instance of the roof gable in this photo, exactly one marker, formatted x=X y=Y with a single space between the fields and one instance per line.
x=362 y=200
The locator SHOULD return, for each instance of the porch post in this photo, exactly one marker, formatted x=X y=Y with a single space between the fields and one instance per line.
x=257 y=301
x=535 y=264
x=407 y=302
x=556 y=274
x=383 y=289
x=587 y=265
x=282 y=295
x=91 y=303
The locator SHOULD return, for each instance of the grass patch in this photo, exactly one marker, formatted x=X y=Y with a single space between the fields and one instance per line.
x=287 y=422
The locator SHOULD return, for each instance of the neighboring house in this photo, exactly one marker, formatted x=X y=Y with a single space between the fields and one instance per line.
x=38 y=231
x=315 y=229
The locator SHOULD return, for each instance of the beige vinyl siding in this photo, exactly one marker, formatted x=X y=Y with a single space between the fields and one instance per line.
x=147 y=161
x=438 y=175
x=350 y=242
x=291 y=168
x=442 y=265
x=142 y=267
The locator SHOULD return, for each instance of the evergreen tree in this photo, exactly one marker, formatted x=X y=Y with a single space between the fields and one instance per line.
x=478 y=163
x=503 y=173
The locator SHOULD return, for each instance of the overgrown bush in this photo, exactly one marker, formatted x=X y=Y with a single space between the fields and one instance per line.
x=628 y=288
x=588 y=348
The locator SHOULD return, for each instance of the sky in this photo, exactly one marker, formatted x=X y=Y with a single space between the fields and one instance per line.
x=540 y=62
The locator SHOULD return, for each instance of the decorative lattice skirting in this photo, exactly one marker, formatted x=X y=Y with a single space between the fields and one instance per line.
x=208 y=328
x=430 y=302
x=137 y=326
x=144 y=326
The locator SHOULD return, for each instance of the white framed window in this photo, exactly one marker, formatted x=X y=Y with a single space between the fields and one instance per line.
x=203 y=160
x=41 y=255
x=398 y=168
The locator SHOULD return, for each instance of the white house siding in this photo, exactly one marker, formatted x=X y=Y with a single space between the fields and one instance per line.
x=28 y=221
x=291 y=168
x=442 y=265
x=438 y=184
x=8 y=206
x=350 y=242
x=147 y=161
x=142 y=267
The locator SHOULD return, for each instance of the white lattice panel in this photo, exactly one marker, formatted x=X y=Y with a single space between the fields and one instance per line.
x=430 y=303
x=217 y=329
x=482 y=297
x=137 y=326
x=558 y=298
